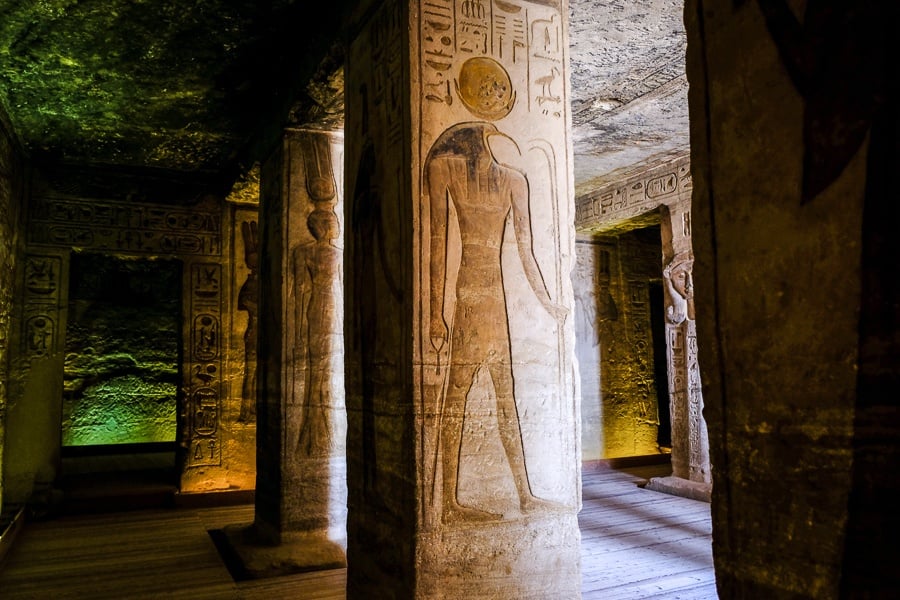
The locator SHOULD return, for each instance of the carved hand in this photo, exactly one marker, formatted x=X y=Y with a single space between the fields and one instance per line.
x=439 y=333
x=557 y=311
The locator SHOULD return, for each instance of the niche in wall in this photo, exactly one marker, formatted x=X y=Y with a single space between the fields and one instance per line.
x=123 y=345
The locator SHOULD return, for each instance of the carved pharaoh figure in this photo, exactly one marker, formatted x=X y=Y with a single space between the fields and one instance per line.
x=463 y=177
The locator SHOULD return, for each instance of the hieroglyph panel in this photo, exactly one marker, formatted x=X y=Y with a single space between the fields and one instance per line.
x=122 y=228
x=497 y=402
x=43 y=280
x=203 y=390
x=620 y=202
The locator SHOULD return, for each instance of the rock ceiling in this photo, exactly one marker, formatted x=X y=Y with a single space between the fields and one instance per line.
x=185 y=85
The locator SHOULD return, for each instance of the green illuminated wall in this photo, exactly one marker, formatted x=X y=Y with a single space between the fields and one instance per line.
x=122 y=351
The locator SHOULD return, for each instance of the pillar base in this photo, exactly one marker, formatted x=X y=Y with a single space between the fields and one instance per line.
x=530 y=557
x=677 y=486
x=297 y=553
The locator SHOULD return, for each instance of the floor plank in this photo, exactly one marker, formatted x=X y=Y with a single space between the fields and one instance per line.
x=636 y=543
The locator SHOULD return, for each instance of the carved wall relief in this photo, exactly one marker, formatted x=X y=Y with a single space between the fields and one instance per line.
x=143 y=229
x=470 y=332
x=495 y=253
x=663 y=190
x=317 y=266
x=690 y=459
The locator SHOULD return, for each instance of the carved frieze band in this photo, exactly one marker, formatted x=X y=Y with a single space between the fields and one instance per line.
x=620 y=202
x=123 y=227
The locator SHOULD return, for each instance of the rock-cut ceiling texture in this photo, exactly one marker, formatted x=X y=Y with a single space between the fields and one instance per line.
x=168 y=84
x=185 y=85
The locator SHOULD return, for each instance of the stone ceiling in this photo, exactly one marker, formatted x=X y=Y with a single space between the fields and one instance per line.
x=629 y=91
x=188 y=85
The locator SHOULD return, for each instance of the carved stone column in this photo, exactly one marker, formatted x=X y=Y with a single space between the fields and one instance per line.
x=300 y=520
x=463 y=439
x=691 y=470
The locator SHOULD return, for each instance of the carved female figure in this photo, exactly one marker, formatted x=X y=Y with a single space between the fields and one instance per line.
x=318 y=269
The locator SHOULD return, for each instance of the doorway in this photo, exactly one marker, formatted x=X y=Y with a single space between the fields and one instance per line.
x=121 y=378
x=621 y=344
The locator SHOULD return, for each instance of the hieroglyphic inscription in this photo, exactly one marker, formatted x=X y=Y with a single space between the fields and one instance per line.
x=473 y=25
x=386 y=71
x=42 y=288
x=546 y=69
x=438 y=50
x=123 y=227
x=456 y=32
x=205 y=365
x=623 y=201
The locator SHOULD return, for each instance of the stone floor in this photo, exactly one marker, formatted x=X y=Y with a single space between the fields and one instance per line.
x=636 y=543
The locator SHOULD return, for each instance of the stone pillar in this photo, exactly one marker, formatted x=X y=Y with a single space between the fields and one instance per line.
x=691 y=470
x=301 y=491
x=795 y=164
x=463 y=416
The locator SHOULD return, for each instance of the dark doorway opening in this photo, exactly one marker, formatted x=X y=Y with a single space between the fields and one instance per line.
x=122 y=381
x=660 y=364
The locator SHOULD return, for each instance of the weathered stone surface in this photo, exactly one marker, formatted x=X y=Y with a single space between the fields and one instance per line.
x=169 y=84
x=629 y=91
x=791 y=159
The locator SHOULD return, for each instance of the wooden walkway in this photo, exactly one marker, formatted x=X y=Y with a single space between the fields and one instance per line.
x=635 y=544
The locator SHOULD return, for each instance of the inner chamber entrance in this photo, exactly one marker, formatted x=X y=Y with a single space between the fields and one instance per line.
x=122 y=367
x=621 y=345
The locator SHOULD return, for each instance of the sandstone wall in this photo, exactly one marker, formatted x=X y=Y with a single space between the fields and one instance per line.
x=11 y=201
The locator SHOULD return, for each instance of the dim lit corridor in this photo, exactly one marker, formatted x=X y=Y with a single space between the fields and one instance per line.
x=635 y=544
